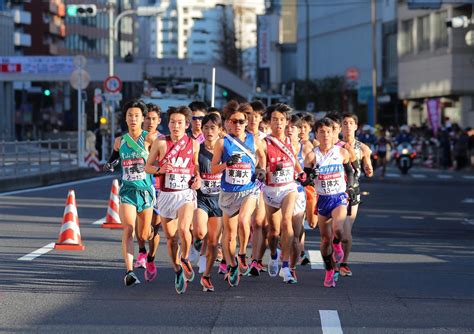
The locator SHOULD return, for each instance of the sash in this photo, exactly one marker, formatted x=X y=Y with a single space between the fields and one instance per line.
x=244 y=148
x=175 y=149
x=134 y=146
x=283 y=148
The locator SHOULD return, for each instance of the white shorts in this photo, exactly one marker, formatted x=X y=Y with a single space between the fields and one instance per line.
x=169 y=202
x=300 y=205
x=230 y=202
x=274 y=196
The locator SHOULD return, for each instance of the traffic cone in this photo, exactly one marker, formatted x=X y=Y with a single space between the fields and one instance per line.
x=112 y=219
x=70 y=235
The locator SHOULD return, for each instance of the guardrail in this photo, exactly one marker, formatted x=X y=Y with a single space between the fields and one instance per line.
x=21 y=158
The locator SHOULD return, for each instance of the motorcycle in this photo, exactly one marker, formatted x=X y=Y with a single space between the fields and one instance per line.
x=404 y=157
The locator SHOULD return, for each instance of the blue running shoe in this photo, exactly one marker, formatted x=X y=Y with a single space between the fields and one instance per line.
x=180 y=282
x=234 y=277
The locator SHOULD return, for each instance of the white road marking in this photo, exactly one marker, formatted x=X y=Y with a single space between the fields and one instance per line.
x=412 y=217
x=330 y=322
x=99 y=222
x=468 y=200
x=57 y=185
x=378 y=216
x=36 y=253
x=419 y=176
x=443 y=176
x=392 y=175
x=315 y=259
x=468 y=221
x=469 y=177
x=447 y=218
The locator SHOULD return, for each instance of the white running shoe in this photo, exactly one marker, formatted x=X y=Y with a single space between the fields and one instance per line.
x=202 y=264
x=285 y=273
x=273 y=265
x=193 y=255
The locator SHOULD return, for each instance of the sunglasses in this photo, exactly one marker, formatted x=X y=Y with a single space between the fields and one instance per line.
x=198 y=118
x=238 y=121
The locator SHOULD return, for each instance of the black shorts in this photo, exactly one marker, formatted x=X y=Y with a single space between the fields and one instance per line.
x=210 y=205
x=357 y=200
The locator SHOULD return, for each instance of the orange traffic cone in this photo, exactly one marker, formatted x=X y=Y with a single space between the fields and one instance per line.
x=70 y=235
x=112 y=219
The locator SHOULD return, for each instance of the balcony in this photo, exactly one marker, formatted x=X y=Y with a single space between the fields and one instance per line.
x=21 y=39
x=21 y=17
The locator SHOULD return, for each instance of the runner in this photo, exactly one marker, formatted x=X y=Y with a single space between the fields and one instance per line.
x=177 y=158
x=259 y=223
x=235 y=157
x=362 y=154
x=208 y=216
x=199 y=110
x=330 y=164
x=136 y=192
x=280 y=192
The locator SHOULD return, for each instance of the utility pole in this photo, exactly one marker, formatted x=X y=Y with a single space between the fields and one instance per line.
x=374 y=60
x=307 y=52
x=111 y=9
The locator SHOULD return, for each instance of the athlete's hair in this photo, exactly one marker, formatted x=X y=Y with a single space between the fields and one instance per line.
x=213 y=118
x=258 y=107
x=281 y=108
x=295 y=120
x=154 y=108
x=351 y=115
x=323 y=122
x=183 y=110
x=306 y=118
x=136 y=103
x=335 y=117
x=234 y=107
x=213 y=110
x=198 y=106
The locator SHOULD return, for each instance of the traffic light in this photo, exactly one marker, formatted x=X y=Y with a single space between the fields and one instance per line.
x=46 y=92
x=81 y=10
x=104 y=124
x=225 y=93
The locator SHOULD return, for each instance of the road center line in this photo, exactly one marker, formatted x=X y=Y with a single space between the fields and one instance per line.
x=330 y=322
x=469 y=177
x=442 y=176
x=419 y=176
x=392 y=175
x=412 y=217
x=36 y=253
x=447 y=218
x=315 y=259
x=377 y=216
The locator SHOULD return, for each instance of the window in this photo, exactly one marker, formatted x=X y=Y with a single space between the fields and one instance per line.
x=423 y=33
x=406 y=37
x=440 y=30
x=185 y=10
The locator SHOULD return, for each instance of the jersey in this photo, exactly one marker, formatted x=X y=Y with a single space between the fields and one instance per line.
x=133 y=163
x=210 y=183
x=285 y=174
x=183 y=167
x=331 y=178
x=241 y=176
x=156 y=178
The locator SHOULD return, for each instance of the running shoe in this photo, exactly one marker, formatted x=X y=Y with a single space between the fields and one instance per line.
x=336 y=272
x=220 y=255
x=207 y=284
x=273 y=265
x=188 y=270
x=345 y=270
x=197 y=245
x=254 y=271
x=222 y=269
x=293 y=273
x=202 y=264
x=261 y=267
x=304 y=259
x=150 y=272
x=131 y=279
x=329 y=279
x=243 y=266
x=338 y=253
x=233 y=276
x=285 y=273
x=141 y=261
x=180 y=283
x=193 y=254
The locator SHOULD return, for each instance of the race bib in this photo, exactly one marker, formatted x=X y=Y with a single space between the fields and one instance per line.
x=210 y=183
x=331 y=183
x=178 y=179
x=133 y=169
x=285 y=175
x=239 y=174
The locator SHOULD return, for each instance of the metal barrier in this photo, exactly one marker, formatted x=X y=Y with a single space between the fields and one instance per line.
x=21 y=158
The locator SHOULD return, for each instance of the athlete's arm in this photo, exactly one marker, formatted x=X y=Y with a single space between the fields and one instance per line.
x=197 y=179
x=155 y=154
x=216 y=165
x=366 y=153
x=114 y=157
x=349 y=171
x=307 y=148
x=260 y=151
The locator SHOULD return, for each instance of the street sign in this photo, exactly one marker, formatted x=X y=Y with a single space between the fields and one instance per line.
x=81 y=76
x=79 y=61
x=113 y=84
x=352 y=74
x=113 y=97
x=97 y=96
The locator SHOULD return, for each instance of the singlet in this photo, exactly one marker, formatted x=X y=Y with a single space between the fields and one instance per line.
x=210 y=183
x=133 y=163
x=301 y=161
x=183 y=167
x=331 y=179
x=156 y=178
x=275 y=156
x=200 y=139
x=241 y=176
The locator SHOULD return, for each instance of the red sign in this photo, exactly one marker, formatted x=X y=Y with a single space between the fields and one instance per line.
x=113 y=84
x=352 y=74
x=10 y=68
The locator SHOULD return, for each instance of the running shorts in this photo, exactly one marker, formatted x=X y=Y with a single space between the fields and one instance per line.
x=210 y=205
x=230 y=202
x=327 y=203
x=300 y=205
x=169 y=202
x=274 y=196
x=141 y=198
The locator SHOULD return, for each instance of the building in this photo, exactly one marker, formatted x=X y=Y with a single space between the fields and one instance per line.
x=435 y=66
x=7 y=112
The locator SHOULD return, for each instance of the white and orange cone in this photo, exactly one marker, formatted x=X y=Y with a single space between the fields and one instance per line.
x=112 y=219
x=70 y=234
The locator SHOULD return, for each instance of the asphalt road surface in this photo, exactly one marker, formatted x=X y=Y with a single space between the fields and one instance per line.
x=412 y=261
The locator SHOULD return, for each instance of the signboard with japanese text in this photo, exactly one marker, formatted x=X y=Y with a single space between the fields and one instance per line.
x=37 y=64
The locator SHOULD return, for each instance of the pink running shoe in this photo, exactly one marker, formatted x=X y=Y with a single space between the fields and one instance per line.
x=150 y=272
x=222 y=269
x=329 y=279
x=141 y=261
x=338 y=253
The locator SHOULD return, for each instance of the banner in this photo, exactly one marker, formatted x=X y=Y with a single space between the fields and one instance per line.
x=434 y=113
x=263 y=40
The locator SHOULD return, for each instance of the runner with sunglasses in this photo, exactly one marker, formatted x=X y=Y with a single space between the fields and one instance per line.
x=199 y=110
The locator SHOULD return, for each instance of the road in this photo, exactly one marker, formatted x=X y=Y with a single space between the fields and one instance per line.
x=412 y=260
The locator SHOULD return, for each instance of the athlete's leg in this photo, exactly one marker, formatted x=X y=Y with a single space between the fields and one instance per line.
x=229 y=238
x=155 y=241
x=170 y=227
x=286 y=226
x=298 y=230
x=274 y=222
x=185 y=217
x=213 y=234
x=199 y=224
x=347 y=235
x=128 y=215
x=245 y=214
x=258 y=223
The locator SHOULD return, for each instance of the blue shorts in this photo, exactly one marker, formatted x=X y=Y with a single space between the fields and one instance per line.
x=327 y=203
x=210 y=205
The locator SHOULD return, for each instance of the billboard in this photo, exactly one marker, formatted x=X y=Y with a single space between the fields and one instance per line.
x=263 y=41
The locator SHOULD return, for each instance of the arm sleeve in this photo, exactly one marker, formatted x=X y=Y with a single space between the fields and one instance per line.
x=350 y=174
x=115 y=155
